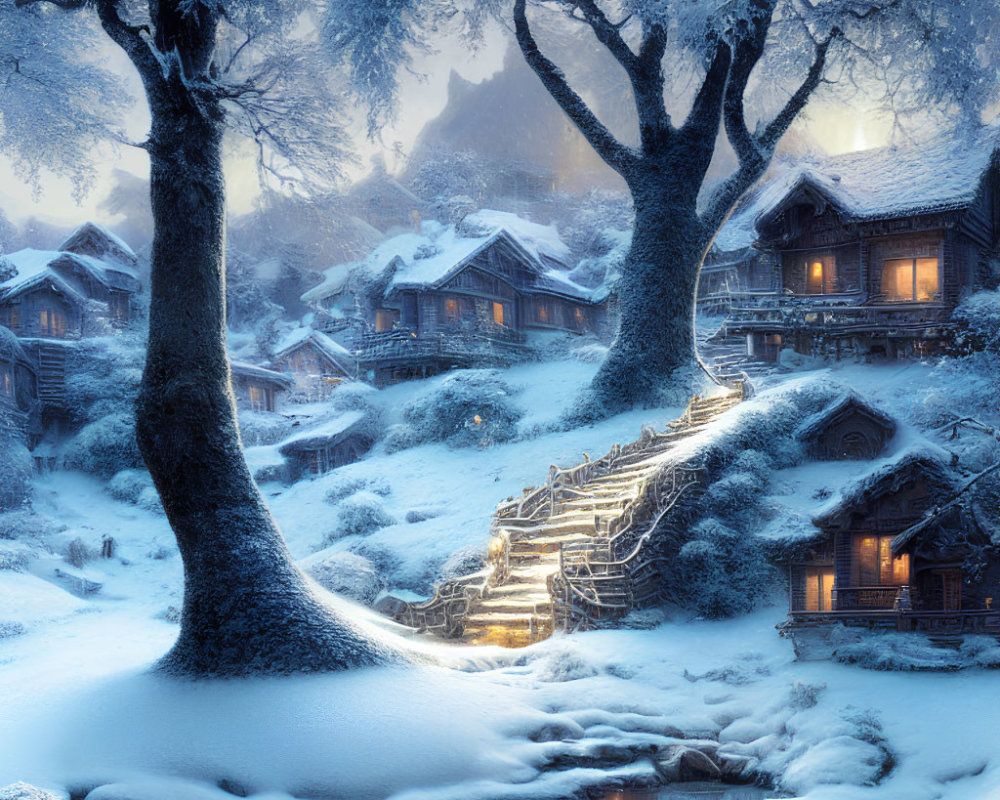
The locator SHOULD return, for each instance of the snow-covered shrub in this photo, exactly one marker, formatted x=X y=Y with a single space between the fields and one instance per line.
x=263 y=427
x=360 y=514
x=23 y=525
x=469 y=408
x=348 y=486
x=734 y=496
x=149 y=499
x=128 y=484
x=353 y=396
x=11 y=629
x=348 y=574
x=720 y=572
x=564 y=664
x=979 y=318
x=415 y=515
x=106 y=374
x=464 y=561
x=104 y=447
x=78 y=553
x=14 y=557
x=16 y=469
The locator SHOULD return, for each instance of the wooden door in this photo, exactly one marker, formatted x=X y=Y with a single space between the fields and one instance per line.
x=951 y=590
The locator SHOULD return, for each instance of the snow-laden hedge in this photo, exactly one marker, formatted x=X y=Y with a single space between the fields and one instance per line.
x=721 y=572
x=469 y=408
x=105 y=447
x=979 y=317
x=358 y=515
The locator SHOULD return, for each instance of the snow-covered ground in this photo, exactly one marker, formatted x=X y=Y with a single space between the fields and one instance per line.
x=79 y=708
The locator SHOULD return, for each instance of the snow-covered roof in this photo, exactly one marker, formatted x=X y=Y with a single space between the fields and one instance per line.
x=337 y=353
x=817 y=422
x=262 y=373
x=91 y=239
x=886 y=477
x=940 y=175
x=438 y=252
x=35 y=266
x=326 y=434
x=31 y=269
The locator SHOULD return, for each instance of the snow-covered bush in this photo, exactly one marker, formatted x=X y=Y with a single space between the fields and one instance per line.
x=263 y=428
x=720 y=572
x=16 y=469
x=348 y=486
x=104 y=447
x=128 y=484
x=348 y=574
x=24 y=524
x=464 y=561
x=78 y=553
x=734 y=496
x=469 y=408
x=106 y=374
x=979 y=318
x=360 y=514
x=14 y=557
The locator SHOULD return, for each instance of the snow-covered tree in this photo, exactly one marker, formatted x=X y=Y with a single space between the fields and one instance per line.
x=736 y=73
x=205 y=68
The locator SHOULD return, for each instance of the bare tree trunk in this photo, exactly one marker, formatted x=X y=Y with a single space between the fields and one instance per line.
x=247 y=608
x=655 y=342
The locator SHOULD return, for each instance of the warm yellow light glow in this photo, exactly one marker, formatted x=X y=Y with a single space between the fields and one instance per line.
x=477 y=419
x=817 y=270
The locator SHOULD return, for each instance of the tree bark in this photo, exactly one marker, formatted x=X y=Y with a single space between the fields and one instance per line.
x=247 y=607
x=656 y=294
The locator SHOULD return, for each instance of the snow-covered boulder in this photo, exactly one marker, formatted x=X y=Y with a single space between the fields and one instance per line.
x=348 y=574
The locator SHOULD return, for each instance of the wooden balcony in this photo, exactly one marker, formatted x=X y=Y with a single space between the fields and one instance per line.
x=839 y=314
x=461 y=346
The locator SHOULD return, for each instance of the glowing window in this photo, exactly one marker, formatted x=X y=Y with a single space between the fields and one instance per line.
x=6 y=383
x=385 y=320
x=543 y=312
x=52 y=323
x=579 y=317
x=874 y=563
x=451 y=309
x=910 y=279
x=498 y=313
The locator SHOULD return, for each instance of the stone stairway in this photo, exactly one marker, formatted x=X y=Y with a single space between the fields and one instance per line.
x=52 y=374
x=554 y=552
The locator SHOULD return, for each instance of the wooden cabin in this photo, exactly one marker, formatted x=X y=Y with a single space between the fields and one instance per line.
x=872 y=250
x=316 y=362
x=64 y=294
x=846 y=428
x=459 y=297
x=894 y=553
x=342 y=440
x=257 y=388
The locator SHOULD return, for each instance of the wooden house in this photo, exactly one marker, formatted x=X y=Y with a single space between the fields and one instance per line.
x=892 y=552
x=67 y=294
x=342 y=440
x=871 y=250
x=316 y=362
x=846 y=428
x=459 y=296
x=257 y=388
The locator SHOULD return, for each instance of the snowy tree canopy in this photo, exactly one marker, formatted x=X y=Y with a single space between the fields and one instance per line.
x=266 y=64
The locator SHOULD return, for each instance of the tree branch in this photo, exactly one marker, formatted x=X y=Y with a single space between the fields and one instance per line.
x=703 y=120
x=774 y=131
x=760 y=147
x=609 y=34
x=130 y=39
x=619 y=157
x=749 y=47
